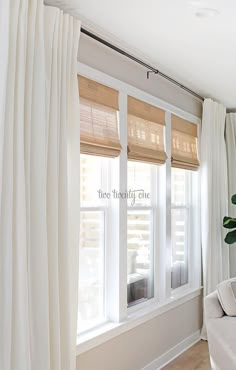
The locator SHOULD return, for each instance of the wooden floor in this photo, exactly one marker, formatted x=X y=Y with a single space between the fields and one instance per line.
x=196 y=358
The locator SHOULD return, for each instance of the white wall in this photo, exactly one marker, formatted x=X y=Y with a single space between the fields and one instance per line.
x=110 y=62
x=138 y=347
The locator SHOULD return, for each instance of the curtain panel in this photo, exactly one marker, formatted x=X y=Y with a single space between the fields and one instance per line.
x=230 y=137
x=214 y=197
x=39 y=187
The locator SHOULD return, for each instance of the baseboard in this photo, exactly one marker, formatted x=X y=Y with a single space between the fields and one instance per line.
x=174 y=352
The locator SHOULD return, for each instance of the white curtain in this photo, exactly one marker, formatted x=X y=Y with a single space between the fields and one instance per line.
x=39 y=205
x=214 y=197
x=230 y=137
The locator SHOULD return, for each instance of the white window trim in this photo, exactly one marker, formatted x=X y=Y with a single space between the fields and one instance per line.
x=122 y=318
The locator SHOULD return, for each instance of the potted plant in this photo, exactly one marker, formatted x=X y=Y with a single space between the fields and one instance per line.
x=230 y=223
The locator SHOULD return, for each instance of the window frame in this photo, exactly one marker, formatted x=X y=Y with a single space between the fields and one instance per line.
x=118 y=315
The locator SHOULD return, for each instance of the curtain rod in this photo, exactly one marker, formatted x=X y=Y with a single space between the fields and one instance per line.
x=150 y=68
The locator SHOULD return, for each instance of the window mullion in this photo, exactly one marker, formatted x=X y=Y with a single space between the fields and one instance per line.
x=167 y=211
x=155 y=230
x=117 y=233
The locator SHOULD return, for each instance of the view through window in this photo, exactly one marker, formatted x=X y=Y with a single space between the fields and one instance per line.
x=140 y=278
x=180 y=218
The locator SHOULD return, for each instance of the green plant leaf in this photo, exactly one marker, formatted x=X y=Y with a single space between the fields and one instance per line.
x=233 y=199
x=229 y=222
x=231 y=237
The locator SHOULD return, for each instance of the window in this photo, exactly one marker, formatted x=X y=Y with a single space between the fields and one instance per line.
x=140 y=261
x=134 y=214
x=180 y=226
x=93 y=178
x=99 y=142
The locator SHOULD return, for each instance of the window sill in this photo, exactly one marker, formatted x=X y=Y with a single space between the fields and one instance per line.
x=109 y=330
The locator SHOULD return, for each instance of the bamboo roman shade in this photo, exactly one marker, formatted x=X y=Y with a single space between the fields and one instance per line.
x=145 y=132
x=98 y=119
x=184 y=152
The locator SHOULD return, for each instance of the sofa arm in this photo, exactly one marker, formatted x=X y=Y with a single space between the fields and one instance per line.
x=213 y=307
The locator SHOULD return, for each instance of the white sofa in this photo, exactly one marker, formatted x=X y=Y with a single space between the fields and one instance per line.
x=221 y=328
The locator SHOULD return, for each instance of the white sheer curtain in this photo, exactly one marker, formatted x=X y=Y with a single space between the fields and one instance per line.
x=230 y=137
x=214 y=196
x=39 y=156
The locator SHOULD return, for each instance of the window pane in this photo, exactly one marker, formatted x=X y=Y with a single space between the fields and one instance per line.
x=91 y=270
x=179 y=273
x=90 y=180
x=139 y=178
x=139 y=257
x=179 y=227
x=179 y=186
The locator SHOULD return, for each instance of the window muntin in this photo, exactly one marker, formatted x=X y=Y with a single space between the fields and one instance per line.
x=139 y=183
x=180 y=223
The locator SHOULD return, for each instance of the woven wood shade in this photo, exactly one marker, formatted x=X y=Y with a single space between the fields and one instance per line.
x=98 y=119
x=145 y=132
x=184 y=152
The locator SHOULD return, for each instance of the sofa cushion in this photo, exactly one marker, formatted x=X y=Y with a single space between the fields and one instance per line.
x=227 y=296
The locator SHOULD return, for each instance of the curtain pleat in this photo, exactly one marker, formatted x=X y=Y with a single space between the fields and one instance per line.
x=230 y=137
x=38 y=258
x=52 y=23
x=73 y=183
x=214 y=197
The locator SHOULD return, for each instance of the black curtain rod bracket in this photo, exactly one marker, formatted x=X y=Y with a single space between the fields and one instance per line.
x=136 y=60
x=148 y=73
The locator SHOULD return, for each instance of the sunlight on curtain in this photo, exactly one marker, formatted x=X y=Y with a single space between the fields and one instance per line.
x=214 y=197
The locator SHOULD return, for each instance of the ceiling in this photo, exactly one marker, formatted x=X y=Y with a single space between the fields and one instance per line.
x=198 y=51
